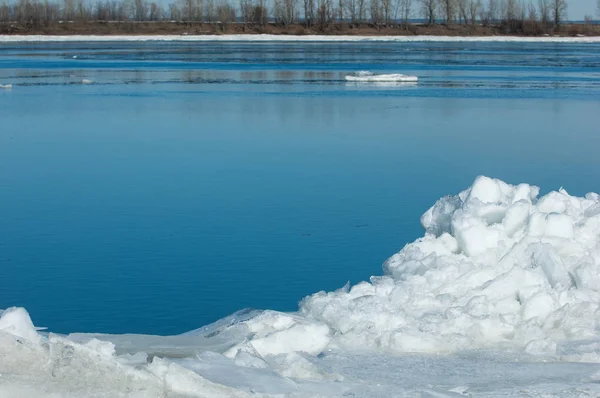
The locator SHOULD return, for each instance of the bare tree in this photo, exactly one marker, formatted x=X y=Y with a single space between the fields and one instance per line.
x=278 y=11
x=68 y=10
x=544 y=9
x=226 y=14
x=284 y=11
x=260 y=13
x=291 y=10
x=510 y=10
x=356 y=10
x=448 y=7
x=376 y=12
x=5 y=12
x=174 y=12
x=325 y=13
x=404 y=7
x=381 y=11
x=350 y=9
x=309 y=12
x=475 y=8
x=492 y=10
x=210 y=11
x=532 y=14
x=461 y=5
x=116 y=10
x=362 y=10
x=189 y=10
x=521 y=10
x=140 y=10
x=247 y=10
x=155 y=12
x=386 y=8
x=101 y=11
x=82 y=12
x=198 y=11
x=429 y=10
x=559 y=11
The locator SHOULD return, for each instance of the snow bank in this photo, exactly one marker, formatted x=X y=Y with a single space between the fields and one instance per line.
x=292 y=38
x=365 y=76
x=32 y=366
x=497 y=267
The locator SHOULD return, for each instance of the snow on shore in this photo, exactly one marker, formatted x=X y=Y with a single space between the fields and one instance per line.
x=291 y=38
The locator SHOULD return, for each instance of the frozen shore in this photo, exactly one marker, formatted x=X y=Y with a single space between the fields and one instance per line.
x=501 y=296
x=290 y=38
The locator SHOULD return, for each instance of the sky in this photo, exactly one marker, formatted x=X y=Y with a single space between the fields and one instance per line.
x=580 y=8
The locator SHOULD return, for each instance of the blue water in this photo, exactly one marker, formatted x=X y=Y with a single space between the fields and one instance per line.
x=193 y=180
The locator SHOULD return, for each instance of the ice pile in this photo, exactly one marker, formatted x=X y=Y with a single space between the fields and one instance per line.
x=366 y=76
x=497 y=266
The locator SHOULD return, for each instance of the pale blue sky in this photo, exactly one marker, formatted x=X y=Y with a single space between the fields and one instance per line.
x=580 y=8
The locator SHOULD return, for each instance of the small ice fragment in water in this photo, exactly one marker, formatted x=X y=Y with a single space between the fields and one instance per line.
x=366 y=76
x=5 y=86
x=87 y=81
x=462 y=390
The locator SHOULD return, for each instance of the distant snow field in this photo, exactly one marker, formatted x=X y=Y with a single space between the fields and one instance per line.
x=500 y=297
x=290 y=38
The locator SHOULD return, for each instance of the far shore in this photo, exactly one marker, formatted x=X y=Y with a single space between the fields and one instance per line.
x=332 y=32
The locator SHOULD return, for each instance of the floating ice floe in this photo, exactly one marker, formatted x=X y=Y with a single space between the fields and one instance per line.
x=365 y=76
x=6 y=86
x=87 y=81
x=499 y=270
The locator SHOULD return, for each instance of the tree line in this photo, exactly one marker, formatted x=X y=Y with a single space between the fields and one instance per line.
x=509 y=13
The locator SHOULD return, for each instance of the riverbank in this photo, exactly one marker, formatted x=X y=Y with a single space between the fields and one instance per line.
x=290 y=38
x=158 y=28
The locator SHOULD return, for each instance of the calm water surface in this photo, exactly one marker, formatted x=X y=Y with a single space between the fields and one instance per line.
x=192 y=180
